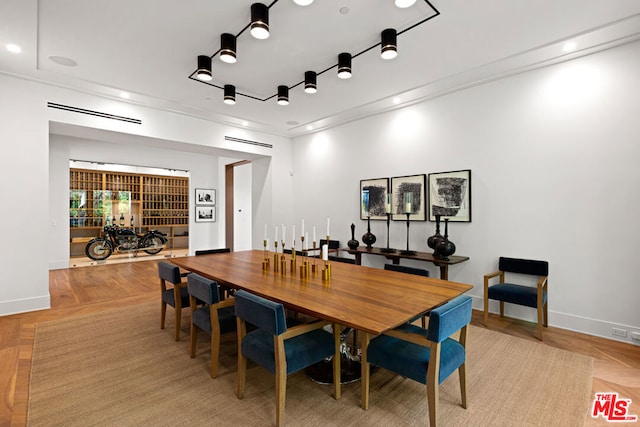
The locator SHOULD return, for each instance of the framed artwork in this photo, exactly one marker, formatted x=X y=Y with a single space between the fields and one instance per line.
x=205 y=214
x=408 y=196
x=205 y=197
x=450 y=195
x=373 y=198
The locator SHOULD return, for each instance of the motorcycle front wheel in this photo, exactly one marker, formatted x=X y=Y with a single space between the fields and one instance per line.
x=154 y=244
x=98 y=249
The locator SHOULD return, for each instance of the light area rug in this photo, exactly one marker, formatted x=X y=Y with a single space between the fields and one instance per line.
x=118 y=368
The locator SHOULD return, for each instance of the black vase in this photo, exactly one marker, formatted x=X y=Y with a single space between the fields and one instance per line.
x=445 y=247
x=353 y=243
x=433 y=241
x=369 y=238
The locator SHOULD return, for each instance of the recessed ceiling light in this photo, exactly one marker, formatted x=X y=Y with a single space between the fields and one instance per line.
x=13 y=48
x=397 y=100
x=405 y=3
x=303 y=2
x=63 y=60
x=124 y=95
x=245 y=123
x=569 y=47
x=309 y=127
x=344 y=10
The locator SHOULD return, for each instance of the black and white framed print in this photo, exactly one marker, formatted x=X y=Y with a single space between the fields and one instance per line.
x=450 y=195
x=205 y=213
x=374 y=198
x=205 y=197
x=408 y=197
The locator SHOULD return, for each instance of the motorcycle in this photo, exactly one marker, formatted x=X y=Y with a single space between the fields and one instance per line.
x=124 y=240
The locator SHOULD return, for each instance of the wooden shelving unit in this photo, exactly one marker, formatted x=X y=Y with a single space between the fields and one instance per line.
x=156 y=202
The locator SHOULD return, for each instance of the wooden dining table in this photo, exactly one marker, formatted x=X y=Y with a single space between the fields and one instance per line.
x=367 y=299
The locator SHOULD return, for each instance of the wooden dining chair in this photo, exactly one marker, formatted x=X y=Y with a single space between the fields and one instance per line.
x=428 y=356
x=518 y=293
x=209 y=314
x=175 y=295
x=280 y=349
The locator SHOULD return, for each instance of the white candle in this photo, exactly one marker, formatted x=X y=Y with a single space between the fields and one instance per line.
x=314 y=233
x=293 y=232
x=265 y=232
x=284 y=233
x=328 y=222
x=306 y=242
x=266 y=245
x=302 y=232
x=276 y=237
x=325 y=252
x=407 y=200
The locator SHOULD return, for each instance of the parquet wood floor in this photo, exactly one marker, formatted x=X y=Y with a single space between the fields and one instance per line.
x=89 y=289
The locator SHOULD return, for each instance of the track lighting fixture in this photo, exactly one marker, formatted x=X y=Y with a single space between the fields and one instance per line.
x=389 y=44
x=228 y=48
x=405 y=3
x=229 y=94
x=259 y=21
x=283 y=95
x=310 y=85
x=344 y=65
x=204 y=68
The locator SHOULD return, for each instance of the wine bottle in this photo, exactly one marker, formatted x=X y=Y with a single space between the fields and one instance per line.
x=131 y=220
x=121 y=220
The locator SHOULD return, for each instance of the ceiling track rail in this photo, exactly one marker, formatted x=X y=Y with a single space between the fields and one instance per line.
x=93 y=113
x=247 y=141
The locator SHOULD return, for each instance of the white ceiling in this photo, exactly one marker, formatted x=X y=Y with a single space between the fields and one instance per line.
x=148 y=48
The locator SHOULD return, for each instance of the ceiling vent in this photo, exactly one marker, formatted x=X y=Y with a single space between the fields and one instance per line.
x=93 y=113
x=247 y=141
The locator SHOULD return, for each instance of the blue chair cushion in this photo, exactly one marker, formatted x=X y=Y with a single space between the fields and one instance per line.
x=412 y=360
x=516 y=294
x=226 y=318
x=300 y=351
x=168 y=297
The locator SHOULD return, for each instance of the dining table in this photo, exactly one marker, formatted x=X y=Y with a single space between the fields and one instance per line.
x=370 y=300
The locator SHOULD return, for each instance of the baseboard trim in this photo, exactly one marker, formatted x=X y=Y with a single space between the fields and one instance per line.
x=25 y=305
x=570 y=322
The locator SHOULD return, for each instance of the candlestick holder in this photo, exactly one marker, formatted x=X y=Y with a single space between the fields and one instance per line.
x=293 y=258
x=388 y=250
x=304 y=268
x=283 y=261
x=326 y=272
x=265 y=261
x=276 y=261
x=408 y=252
x=313 y=267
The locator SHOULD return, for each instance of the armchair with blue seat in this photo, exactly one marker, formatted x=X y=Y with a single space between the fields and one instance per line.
x=530 y=296
x=280 y=349
x=209 y=314
x=175 y=295
x=428 y=356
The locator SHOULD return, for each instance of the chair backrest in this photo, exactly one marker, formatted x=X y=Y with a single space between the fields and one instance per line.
x=341 y=259
x=169 y=272
x=204 y=289
x=333 y=244
x=524 y=266
x=212 y=251
x=260 y=312
x=449 y=318
x=405 y=269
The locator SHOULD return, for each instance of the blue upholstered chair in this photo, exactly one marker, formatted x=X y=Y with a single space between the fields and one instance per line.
x=279 y=349
x=530 y=296
x=428 y=356
x=209 y=314
x=409 y=270
x=175 y=295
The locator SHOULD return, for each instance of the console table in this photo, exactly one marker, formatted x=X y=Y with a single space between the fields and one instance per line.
x=396 y=256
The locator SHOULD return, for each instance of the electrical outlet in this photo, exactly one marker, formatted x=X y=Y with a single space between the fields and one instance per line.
x=635 y=336
x=617 y=332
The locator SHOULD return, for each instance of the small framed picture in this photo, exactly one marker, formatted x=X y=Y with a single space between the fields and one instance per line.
x=408 y=197
x=205 y=214
x=374 y=198
x=450 y=195
x=205 y=197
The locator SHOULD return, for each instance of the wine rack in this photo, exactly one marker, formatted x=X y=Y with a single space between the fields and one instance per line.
x=165 y=201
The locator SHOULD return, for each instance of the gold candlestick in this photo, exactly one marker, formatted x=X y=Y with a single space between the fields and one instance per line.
x=313 y=267
x=283 y=262
x=293 y=258
x=275 y=257
x=265 y=262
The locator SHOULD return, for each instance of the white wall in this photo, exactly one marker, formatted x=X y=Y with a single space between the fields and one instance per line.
x=24 y=171
x=553 y=155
